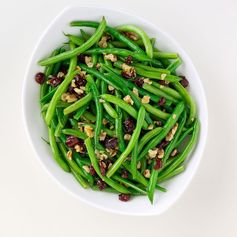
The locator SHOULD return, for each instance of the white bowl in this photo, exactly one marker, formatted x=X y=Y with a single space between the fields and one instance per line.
x=35 y=127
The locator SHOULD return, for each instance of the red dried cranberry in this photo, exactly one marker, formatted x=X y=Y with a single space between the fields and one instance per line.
x=80 y=80
x=124 y=174
x=162 y=82
x=161 y=101
x=92 y=170
x=139 y=81
x=129 y=125
x=184 y=82
x=72 y=141
x=63 y=70
x=81 y=58
x=128 y=75
x=111 y=143
x=71 y=90
x=79 y=96
x=124 y=197
x=40 y=77
x=163 y=144
x=128 y=60
x=102 y=168
x=54 y=81
x=101 y=184
x=82 y=145
x=158 y=164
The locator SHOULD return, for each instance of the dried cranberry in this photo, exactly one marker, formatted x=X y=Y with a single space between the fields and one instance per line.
x=54 y=81
x=124 y=174
x=71 y=90
x=158 y=164
x=184 y=82
x=82 y=145
x=101 y=184
x=80 y=80
x=40 y=77
x=129 y=125
x=102 y=168
x=92 y=170
x=128 y=60
x=81 y=58
x=63 y=70
x=79 y=96
x=161 y=101
x=162 y=82
x=139 y=81
x=163 y=144
x=111 y=143
x=124 y=197
x=72 y=141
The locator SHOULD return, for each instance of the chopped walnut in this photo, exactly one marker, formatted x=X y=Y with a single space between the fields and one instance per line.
x=104 y=121
x=88 y=61
x=86 y=168
x=110 y=88
x=160 y=153
x=135 y=91
x=147 y=173
x=139 y=165
x=97 y=66
x=79 y=148
x=103 y=42
x=83 y=88
x=145 y=99
x=78 y=68
x=152 y=153
x=113 y=58
x=69 y=155
x=73 y=83
x=147 y=81
x=163 y=76
x=129 y=71
x=89 y=131
x=101 y=155
x=128 y=99
x=110 y=164
x=131 y=35
x=78 y=91
x=60 y=74
x=101 y=100
x=127 y=137
x=150 y=127
x=67 y=97
x=112 y=152
x=102 y=136
x=171 y=133
x=174 y=153
x=174 y=129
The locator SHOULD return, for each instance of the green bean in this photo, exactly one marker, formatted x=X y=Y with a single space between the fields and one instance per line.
x=168 y=90
x=177 y=171
x=157 y=112
x=75 y=39
x=79 y=179
x=134 y=160
x=57 y=65
x=174 y=65
x=147 y=137
x=80 y=112
x=158 y=92
x=78 y=104
x=47 y=97
x=165 y=55
x=74 y=132
x=89 y=116
x=152 y=69
x=183 y=136
x=74 y=52
x=142 y=34
x=157 y=75
x=129 y=184
x=168 y=150
x=111 y=31
x=139 y=42
x=94 y=59
x=85 y=35
x=61 y=89
x=62 y=120
x=94 y=162
x=181 y=157
x=110 y=110
x=60 y=104
x=168 y=125
x=188 y=99
x=48 y=71
x=131 y=144
x=123 y=52
x=56 y=154
x=98 y=105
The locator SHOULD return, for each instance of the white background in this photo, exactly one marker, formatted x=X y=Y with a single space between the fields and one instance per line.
x=31 y=204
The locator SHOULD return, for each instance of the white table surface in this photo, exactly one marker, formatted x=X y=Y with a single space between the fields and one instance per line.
x=31 y=204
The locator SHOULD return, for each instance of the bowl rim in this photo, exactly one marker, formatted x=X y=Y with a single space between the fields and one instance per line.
x=27 y=128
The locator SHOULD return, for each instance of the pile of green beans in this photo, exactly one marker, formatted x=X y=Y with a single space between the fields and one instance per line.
x=120 y=119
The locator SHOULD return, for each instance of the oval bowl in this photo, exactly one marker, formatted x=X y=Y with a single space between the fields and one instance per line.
x=35 y=127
